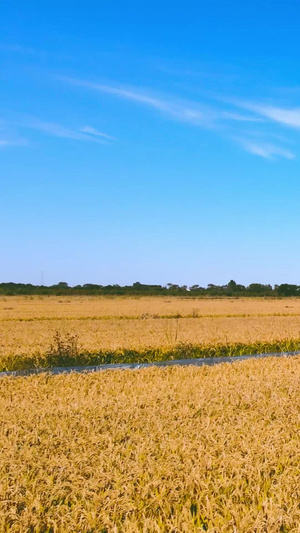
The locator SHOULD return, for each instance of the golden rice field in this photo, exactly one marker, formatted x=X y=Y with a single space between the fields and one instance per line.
x=172 y=450
x=95 y=306
x=27 y=337
x=28 y=324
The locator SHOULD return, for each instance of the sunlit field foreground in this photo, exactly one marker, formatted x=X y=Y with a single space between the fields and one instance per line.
x=156 y=450
x=62 y=331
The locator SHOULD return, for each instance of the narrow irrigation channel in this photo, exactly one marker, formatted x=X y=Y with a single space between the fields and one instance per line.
x=209 y=361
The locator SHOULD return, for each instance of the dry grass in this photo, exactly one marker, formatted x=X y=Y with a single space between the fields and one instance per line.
x=175 y=450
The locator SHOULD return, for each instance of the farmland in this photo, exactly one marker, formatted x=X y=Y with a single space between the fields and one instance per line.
x=157 y=450
x=25 y=307
x=182 y=449
x=144 y=328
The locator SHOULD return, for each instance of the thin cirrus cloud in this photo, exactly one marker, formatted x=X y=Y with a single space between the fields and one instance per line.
x=264 y=149
x=5 y=143
x=97 y=133
x=172 y=109
x=58 y=130
x=182 y=110
x=282 y=116
x=285 y=116
x=24 y=122
x=195 y=114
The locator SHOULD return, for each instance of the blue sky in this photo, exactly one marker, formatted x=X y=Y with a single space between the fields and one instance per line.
x=150 y=141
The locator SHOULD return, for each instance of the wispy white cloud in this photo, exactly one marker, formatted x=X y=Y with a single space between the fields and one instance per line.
x=218 y=118
x=173 y=109
x=289 y=117
x=239 y=118
x=5 y=143
x=286 y=116
x=264 y=149
x=94 y=131
x=10 y=131
x=87 y=133
x=57 y=130
x=182 y=110
x=226 y=121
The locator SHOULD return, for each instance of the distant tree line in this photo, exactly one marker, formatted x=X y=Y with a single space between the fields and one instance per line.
x=232 y=289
